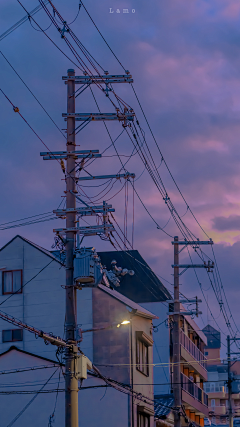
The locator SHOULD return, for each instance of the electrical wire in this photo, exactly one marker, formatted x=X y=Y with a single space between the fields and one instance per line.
x=30 y=402
x=17 y=292
x=50 y=38
x=182 y=227
x=79 y=7
x=32 y=93
x=34 y=368
x=24 y=19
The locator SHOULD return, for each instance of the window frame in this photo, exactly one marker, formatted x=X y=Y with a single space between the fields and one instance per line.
x=12 y=340
x=140 y=344
x=146 y=416
x=213 y=403
x=11 y=293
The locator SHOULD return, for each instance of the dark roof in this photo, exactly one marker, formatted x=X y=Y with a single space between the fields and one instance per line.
x=213 y=337
x=163 y=405
x=144 y=286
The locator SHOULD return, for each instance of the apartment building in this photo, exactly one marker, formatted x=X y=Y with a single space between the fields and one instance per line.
x=216 y=387
x=150 y=293
x=193 y=370
x=32 y=282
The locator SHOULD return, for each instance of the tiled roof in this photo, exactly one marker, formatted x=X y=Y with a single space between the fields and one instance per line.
x=163 y=405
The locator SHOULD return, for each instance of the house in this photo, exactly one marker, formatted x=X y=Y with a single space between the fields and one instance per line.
x=32 y=393
x=217 y=377
x=147 y=290
x=33 y=291
x=212 y=349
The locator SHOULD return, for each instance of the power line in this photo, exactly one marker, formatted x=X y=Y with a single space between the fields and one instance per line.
x=24 y=19
x=102 y=36
x=50 y=38
x=28 y=217
x=34 y=368
x=30 y=402
x=32 y=94
x=16 y=292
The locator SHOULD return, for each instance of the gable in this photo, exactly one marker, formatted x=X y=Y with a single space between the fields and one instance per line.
x=18 y=241
x=17 y=357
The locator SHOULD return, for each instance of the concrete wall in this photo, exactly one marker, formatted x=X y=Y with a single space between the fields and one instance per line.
x=111 y=346
x=141 y=383
x=161 y=347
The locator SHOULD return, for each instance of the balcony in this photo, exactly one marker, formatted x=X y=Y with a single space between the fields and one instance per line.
x=215 y=391
x=218 y=410
x=192 y=349
x=191 y=388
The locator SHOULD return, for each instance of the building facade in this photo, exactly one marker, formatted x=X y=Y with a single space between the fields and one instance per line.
x=150 y=293
x=33 y=291
x=216 y=388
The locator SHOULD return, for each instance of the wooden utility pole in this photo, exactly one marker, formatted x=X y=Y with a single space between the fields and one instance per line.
x=71 y=381
x=229 y=382
x=176 y=340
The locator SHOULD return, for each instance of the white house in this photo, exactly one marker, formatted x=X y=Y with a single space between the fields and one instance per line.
x=32 y=290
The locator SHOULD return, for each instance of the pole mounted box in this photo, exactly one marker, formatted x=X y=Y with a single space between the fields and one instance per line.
x=83 y=364
x=87 y=268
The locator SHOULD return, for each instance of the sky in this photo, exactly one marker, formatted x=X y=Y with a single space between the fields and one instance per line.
x=184 y=56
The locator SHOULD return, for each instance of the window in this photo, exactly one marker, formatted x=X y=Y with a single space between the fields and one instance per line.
x=12 y=282
x=12 y=335
x=142 y=357
x=213 y=403
x=212 y=387
x=206 y=353
x=143 y=420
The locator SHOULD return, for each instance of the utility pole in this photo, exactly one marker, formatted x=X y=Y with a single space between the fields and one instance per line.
x=71 y=381
x=176 y=339
x=72 y=357
x=229 y=382
x=176 y=383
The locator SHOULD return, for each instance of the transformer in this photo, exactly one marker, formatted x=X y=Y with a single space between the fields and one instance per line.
x=87 y=268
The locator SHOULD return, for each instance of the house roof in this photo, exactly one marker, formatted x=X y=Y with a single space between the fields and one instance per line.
x=29 y=354
x=144 y=286
x=140 y=311
x=163 y=405
x=45 y=251
x=213 y=337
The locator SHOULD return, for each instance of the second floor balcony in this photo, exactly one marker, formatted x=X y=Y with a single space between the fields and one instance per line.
x=192 y=349
x=192 y=388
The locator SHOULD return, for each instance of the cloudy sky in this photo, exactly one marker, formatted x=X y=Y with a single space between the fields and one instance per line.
x=184 y=56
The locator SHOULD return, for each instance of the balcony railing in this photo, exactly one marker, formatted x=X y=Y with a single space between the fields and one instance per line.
x=190 y=387
x=192 y=349
x=214 y=388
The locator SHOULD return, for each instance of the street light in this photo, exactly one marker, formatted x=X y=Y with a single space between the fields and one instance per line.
x=124 y=322
x=109 y=326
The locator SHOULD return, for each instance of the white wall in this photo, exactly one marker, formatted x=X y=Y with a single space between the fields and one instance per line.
x=42 y=303
x=97 y=406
